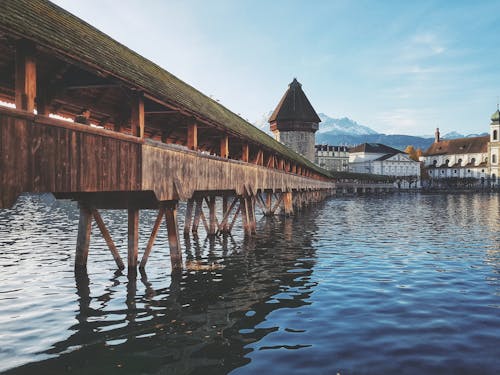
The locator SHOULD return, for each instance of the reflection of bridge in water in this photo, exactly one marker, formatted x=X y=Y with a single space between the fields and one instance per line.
x=202 y=320
x=154 y=140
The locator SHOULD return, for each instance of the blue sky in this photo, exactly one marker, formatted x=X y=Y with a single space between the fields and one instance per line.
x=399 y=67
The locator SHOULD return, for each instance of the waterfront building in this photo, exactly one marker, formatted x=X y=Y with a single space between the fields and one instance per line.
x=461 y=158
x=294 y=122
x=332 y=158
x=376 y=158
x=472 y=161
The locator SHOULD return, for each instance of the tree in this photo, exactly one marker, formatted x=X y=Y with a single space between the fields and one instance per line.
x=412 y=153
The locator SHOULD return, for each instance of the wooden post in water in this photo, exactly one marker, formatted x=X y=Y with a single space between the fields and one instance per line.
x=244 y=215
x=212 y=218
x=287 y=200
x=107 y=238
x=224 y=225
x=152 y=238
x=189 y=216
x=173 y=236
x=269 y=201
x=83 y=239
x=133 y=238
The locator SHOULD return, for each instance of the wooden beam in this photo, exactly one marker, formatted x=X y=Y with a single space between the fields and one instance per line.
x=152 y=238
x=137 y=115
x=173 y=236
x=25 y=76
x=235 y=217
x=83 y=239
x=133 y=238
x=212 y=219
x=288 y=203
x=189 y=216
x=245 y=152
x=192 y=136
x=164 y=112
x=94 y=86
x=107 y=238
x=224 y=146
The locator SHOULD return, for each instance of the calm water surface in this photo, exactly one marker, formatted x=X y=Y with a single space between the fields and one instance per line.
x=405 y=284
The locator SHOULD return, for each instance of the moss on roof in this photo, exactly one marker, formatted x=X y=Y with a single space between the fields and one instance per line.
x=53 y=27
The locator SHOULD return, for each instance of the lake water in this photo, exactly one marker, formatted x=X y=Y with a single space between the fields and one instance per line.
x=402 y=284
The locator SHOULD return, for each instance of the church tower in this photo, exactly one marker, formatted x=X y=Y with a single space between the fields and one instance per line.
x=294 y=121
x=495 y=146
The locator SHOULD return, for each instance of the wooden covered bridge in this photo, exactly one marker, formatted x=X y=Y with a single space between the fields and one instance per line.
x=153 y=139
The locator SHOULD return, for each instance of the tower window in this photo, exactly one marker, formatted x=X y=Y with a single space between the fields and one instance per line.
x=495 y=135
x=493 y=159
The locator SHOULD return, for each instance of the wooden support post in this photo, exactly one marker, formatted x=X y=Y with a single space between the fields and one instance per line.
x=173 y=236
x=244 y=215
x=192 y=136
x=152 y=238
x=137 y=115
x=281 y=164
x=197 y=213
x=212 y=219
x=260 y=202
x=245 y=152
x=287 y=200
x=189 y=216
x=25 y=76
x=224 y=146
x=277 y=203
x=253 y=219
x=269 y=200
x=230 y=228
x=224 y=227
x=107 y=238
x=83 y=239
x=133 y=238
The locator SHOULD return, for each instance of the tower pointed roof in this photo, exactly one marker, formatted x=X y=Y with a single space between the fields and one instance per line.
x=294 y=106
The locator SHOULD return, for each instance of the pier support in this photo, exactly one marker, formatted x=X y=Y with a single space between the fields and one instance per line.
x=133 y=238
x=173 y=236
x=83 y=239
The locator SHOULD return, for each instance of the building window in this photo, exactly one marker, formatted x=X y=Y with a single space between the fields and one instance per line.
x=455 y=171
x=493 y=159
x=494 y=177
x=495 y=135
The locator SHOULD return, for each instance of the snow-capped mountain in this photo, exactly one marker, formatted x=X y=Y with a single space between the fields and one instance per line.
x=330 y=125
x=342 y=125
x=455 y=135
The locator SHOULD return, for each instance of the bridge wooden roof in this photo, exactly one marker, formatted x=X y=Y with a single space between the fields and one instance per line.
x=62 y=33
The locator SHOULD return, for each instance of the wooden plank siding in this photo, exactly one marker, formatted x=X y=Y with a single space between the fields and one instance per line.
x=41 y=154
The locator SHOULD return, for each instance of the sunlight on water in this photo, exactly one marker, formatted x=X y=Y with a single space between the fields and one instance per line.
x=403 y=284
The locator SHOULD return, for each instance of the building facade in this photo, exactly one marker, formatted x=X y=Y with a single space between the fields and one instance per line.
x=294 y=122
x=465 y=161
x=376 y=158
x=332 y=158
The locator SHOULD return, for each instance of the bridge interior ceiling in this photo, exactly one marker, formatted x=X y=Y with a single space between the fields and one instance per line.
x=65 y=87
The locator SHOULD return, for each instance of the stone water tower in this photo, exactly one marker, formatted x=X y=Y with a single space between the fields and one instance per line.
x=294 y=121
